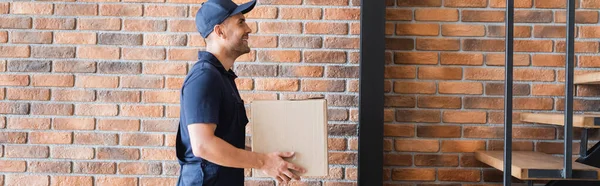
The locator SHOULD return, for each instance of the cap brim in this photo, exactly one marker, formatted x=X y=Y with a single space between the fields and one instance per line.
x=244 y=8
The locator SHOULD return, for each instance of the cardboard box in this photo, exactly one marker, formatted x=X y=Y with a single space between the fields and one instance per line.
x=292 y=125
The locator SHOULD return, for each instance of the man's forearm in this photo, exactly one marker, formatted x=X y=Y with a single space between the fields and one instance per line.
x=220 y=152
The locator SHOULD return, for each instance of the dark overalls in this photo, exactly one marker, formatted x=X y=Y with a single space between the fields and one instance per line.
x=209 y=95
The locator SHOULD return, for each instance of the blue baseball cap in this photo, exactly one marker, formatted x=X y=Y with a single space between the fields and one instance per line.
x=214 y=12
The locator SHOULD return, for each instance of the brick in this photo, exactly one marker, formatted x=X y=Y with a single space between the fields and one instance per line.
x=533 y=16
x=160 y=125
x=277 y=84
x=342 y=72
x=144 y=54
x=29 y=66
x=165 y=39
x=399 y=44
x=397 y=160
x=94 y=168
x=436 y=160
x=31 y=8
x=279 y=56
x=341 y=43
x=52 y=109
x=74 y=38
x=460 y=88
x=140 y=168
x=28 y=94
x=181 y=26
x=185 y=1
x=54 y=23
x=439 y=132
x=413 y=174
x=300 y=13
x=548 y=60
x=534 y=75
x=393 y=14
x=119 y=68
x=95 y=139
x=141 y=82
x=588 y=61
x=118 y=96
x=419 y=3
x=438 y=44
x=98 y=52
x=15 y=22
x=590 y=4
x=487 y=45
x=400 y=101
x=176 y=54
x=141 y=111
x=4 y=8
x=14 y=108
x=165 y=11
x=413 y=87
x=470 y=161
x=31 y=37
x=461 y=59
x=483 y=103
x=160 y=96
x=14 y=51
x=581 y=17
x=418 y=29
x=424 y=58
x=73 y=95
x=459 y=175
x=17 y=179
x=146 y=181
x=145 y=25
x=483 y=16
x=518 y=32
x=341 y=14
x=548 y=90
x=342 y=100
x=256 y=70
x=249 y=97
x=436 y=14
x=551 y=4
x=98 y=24
x=440 y=73
x=518 y=3
x=343 y=158
x=118 y=153
x=262 y=41
x=463 y=30
x=533 y=46
x=498 y=89
x=468 y=3
x=580 y=47
x=300 y=42
x=165 y=68
x=301 y=71
x=97 y=82
x=25 y=151
x=52 y=52
x=280 y=27
x=324 y=57
x=533 y=103
x=49 y=167
x=158 y=154
x=73 y=123
x=3 y=36
x=96 y=110
x=326 y=28
x=120 y=10
x=439 y=102
x=279 y=2
x=75 y=180
x=261 y=12
x=12 y=137
x=327 y=2
x=76 y=9
x=119 y=39
x=50 y=137
x=12 y=166
x=499 y=59
x=425 y=116
x=462 y=145
x=399 y=72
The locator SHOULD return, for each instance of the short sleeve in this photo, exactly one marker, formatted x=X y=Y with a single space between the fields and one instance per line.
x=202 y=97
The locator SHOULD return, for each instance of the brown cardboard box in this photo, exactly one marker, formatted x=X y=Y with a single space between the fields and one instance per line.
x=292 y=125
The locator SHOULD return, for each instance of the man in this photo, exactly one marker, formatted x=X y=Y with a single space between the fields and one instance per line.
x=211 y=135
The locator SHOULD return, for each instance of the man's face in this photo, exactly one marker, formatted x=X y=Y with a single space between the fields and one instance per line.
x=236 y=32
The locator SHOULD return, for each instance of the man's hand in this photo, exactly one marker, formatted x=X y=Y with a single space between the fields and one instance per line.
x=276 y=167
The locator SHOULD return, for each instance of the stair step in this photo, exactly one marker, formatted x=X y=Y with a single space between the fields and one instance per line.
x=589 y=78
x=527 y=165
x=581 y=121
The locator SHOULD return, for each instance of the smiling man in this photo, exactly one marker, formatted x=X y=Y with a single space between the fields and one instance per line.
x=211 y=135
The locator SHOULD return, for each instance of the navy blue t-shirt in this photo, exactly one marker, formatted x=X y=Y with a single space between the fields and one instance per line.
x=209 y=95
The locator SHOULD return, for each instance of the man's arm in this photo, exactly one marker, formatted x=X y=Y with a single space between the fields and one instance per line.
x=206 y=145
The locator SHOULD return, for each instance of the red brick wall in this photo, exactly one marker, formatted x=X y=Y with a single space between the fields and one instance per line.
x=445 y=79
x=89 y=89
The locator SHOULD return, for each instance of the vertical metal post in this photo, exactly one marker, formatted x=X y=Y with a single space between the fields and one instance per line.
x=508 y=93
x=371 y=95
x=584 y=142
x=568 y=171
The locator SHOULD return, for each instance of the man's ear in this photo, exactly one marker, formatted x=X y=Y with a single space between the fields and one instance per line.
x=218 y=29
